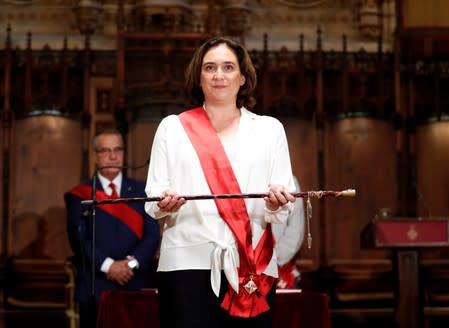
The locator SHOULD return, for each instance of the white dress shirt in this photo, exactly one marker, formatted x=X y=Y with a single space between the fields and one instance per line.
x=106 y=265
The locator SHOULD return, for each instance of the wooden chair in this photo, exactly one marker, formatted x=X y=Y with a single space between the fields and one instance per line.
x=436 y=295
x=35 y=292
x=71 y=306
x=363 y=295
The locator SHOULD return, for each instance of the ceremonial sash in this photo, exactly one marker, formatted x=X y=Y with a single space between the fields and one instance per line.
x=121 y=211
x=287 y=277
x=221 y=179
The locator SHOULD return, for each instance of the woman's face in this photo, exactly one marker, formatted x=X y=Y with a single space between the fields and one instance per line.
x=221 y=78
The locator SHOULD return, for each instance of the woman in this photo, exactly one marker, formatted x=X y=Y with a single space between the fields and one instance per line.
x=217 y=266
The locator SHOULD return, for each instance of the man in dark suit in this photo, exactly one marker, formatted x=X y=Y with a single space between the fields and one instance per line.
x=126 y=238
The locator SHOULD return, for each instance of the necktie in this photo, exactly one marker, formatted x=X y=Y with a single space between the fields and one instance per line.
x=114 y=191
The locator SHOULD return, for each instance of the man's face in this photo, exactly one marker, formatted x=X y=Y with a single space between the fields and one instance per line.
x=109 y=152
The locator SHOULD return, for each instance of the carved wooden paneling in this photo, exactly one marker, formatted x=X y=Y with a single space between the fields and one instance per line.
x=432 y=178
x=287 y=83
x=101 y=111
x=151 y=66
x=360 y=153
x=2 y=182
x=47 y=163
x=430 y=81
x=2 y=100
x=140 y=139
x=432 y=156
x=302 y=139
x=17 y=96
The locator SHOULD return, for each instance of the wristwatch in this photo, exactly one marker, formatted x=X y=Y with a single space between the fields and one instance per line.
x=132 y=264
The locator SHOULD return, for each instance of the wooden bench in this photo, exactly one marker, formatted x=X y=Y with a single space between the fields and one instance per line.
x=37 y=291
x=436 y=295
x=363 y=294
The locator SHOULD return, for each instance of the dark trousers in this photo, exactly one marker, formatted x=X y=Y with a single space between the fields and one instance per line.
x=186 y=300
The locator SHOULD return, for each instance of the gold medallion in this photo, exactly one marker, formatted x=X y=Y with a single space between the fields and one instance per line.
x=250 y=286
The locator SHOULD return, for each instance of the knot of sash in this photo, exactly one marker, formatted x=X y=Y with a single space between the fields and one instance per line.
x=244 y=304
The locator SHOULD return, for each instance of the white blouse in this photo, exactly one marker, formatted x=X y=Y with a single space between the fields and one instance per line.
x=196 y=237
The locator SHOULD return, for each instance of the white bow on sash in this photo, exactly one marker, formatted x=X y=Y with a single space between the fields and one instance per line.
x=223 y=258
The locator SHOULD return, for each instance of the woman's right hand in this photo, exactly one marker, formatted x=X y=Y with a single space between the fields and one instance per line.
x=171 y=202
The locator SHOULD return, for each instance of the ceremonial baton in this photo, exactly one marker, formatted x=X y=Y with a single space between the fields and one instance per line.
x=303 y=194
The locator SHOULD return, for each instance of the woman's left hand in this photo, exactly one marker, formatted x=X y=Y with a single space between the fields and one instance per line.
x=171 y=202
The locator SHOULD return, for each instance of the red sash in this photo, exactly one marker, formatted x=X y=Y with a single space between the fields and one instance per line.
x=221 y=179
x=123 y=212
x=287 y=277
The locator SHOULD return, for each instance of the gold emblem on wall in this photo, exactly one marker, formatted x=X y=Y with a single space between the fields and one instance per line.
x=412 y=234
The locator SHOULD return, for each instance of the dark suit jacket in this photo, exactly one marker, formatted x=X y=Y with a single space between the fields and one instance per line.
x=114 y=239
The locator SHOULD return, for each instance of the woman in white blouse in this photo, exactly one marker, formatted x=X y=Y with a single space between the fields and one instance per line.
x=217 y=264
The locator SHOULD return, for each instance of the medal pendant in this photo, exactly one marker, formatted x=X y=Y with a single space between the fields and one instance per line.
x=250 y=286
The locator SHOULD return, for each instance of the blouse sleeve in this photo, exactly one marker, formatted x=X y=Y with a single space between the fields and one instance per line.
x=281 y=173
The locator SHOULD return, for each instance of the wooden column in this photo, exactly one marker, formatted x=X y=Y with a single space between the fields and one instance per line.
x=409 y=182
x=345 y=76
x=301 y=75
x=6 y=142
x=211 y=27
x=86 y=116
x=401 y=140
x=120 y=60
x=380 y=80
x=64 y=78
x=264 y=83
x=319 y=121
x=408 y=309
x=28 y=92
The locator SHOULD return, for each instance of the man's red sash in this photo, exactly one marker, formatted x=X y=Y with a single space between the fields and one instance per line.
x=221 y=179
x=123 y=212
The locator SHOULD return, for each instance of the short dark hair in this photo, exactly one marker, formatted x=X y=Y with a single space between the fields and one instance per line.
x=104 y=131
x=245 y=96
